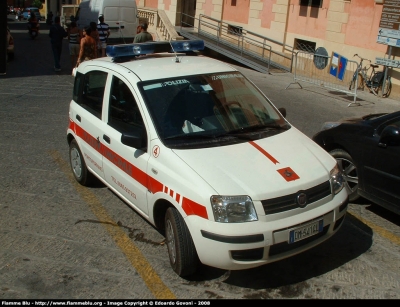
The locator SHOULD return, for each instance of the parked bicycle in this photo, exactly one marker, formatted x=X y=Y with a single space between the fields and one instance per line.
x=367 y=76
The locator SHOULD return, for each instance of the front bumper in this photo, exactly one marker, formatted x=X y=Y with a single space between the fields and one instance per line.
x=247 y=245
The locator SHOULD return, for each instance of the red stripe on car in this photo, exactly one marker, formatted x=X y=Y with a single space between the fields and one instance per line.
x=264 y=152
x=190 y=207
x=193 y=208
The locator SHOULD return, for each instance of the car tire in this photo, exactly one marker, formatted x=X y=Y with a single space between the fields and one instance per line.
x=78 y=165
x=349 y=170
x=181 y=250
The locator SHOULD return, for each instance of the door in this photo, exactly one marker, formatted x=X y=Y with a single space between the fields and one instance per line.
x=382 y=168
x=87 y=115
x=186 y=11
x=125 y=166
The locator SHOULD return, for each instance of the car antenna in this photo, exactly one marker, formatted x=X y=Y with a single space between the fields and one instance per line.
x=176 y=55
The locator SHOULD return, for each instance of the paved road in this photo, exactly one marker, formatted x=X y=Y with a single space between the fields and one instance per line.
x=60 y=240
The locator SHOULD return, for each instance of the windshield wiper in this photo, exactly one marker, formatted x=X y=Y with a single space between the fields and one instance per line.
x=256 y=128
x=190 y=136
x=238 y=133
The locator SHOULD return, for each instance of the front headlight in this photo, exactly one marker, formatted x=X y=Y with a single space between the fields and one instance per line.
x=233 y=209
x=336 y=180
x=329 y=125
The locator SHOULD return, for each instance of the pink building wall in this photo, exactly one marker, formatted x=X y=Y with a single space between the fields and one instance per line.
x=238 y=13
x=307 y=20
x=153 y=3
x=362 y=28
x=208 y=8
x=266 y=14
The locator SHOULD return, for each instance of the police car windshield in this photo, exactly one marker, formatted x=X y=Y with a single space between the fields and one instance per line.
x=212 y=104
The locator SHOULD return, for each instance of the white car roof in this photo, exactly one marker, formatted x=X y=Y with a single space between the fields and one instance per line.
x=164 y=65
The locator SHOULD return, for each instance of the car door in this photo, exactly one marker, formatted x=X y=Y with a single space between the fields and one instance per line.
x=125 y=166
x=382 y=167
x=87 y=115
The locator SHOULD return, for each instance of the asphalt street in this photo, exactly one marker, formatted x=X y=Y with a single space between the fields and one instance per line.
x=62 y=241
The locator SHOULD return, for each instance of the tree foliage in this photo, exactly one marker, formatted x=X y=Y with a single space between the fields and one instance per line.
x=37 y=3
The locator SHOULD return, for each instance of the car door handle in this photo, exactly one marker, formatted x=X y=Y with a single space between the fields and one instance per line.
x=106 y=138
x=78 y=117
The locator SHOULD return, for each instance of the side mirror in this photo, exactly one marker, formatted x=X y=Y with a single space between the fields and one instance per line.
x=390 y=136
x=135 y=139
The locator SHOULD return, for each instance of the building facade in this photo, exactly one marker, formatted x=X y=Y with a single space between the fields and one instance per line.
x=345 y=27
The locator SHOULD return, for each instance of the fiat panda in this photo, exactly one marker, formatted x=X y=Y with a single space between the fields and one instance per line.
x=197 y=150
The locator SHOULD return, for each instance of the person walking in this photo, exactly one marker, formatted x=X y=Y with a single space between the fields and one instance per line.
x=96 y=36
x=57 y=33
x=49 y=19
x=104 y=33
x=74 y=38
x=87 y=47
x=143 y=36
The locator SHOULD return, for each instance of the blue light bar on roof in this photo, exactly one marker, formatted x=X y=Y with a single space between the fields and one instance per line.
x=133 y=50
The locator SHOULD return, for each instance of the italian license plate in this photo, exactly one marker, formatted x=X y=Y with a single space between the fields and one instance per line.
x=306 y=231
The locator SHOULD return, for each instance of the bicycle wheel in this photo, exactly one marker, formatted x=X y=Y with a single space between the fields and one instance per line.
x=360 y=82
x=388 y=88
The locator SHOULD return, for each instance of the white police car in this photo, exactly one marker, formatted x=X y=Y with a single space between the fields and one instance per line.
x=200 y=152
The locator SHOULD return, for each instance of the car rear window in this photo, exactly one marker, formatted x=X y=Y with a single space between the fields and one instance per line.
x=31 y=9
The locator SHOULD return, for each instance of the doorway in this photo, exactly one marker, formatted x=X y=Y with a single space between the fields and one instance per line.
x=185 y=13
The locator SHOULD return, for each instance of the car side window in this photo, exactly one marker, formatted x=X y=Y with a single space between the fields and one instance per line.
x=89 y=91
x=124 y=114
x=393 y=122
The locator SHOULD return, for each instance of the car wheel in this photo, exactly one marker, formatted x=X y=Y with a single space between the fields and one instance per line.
x=349 y=170
x=78 y=165
x=181 y=250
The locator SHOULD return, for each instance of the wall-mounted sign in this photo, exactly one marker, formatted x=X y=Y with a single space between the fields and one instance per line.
x=389 y=26
x=388 y=62
x=388 y=41
x=321 y=58
x=338 y=66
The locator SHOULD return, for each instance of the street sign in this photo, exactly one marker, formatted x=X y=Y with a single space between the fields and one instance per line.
x=388 y=62
x=388 y=41
x=389 y=33
x=389 y=26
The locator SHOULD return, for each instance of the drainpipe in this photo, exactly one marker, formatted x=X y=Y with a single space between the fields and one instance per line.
x=286 y=25
x=222 y=13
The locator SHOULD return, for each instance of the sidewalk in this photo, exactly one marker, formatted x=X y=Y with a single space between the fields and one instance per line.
x=309 y=107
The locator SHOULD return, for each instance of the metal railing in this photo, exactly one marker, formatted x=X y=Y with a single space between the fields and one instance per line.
x=245 y=42
x=157 y=19
x=320 y=70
